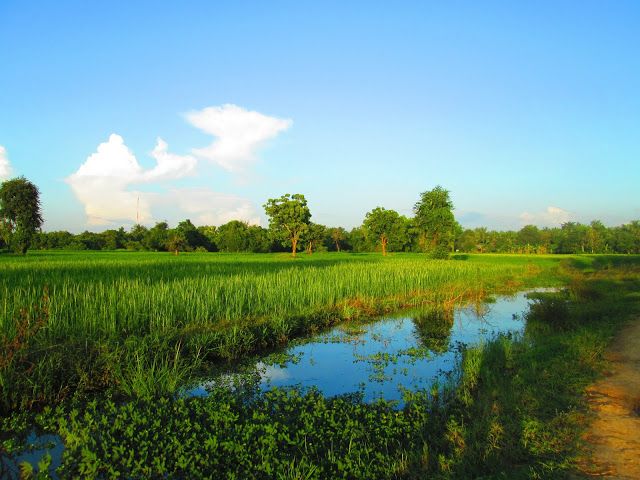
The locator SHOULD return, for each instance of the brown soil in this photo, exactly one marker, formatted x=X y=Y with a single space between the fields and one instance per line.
x=614 y=435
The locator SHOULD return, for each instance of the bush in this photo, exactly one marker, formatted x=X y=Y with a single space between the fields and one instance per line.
x=439 y=253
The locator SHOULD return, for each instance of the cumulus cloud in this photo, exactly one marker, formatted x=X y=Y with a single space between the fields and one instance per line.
x=551 y=217
x=239 y=134
x=169 y=166
x=105 y=185
x=5 y=166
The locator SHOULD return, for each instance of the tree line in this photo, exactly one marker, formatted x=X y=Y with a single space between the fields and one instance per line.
x=237 y=236
x=432 y=229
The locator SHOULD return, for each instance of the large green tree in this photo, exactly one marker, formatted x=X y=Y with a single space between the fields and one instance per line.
x=434 y=219
x=383 y=225
x=289 y=218
x=20 y=215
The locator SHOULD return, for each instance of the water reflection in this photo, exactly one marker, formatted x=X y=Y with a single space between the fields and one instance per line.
x=433 y=329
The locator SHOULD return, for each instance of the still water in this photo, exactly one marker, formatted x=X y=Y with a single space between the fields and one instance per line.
x=380 y=359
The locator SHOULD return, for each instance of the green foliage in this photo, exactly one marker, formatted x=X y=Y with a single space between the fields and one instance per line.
x=314 y=236
x=157 y=237
x=440 y=252
x=336 y=238
x=20 y=215
x=194 y=238
x=289 y=218
x=384 y=225
x=237 y=236
x=176 y=242
x=434 y=219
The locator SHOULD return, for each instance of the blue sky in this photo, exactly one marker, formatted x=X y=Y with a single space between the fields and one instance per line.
x=526 y=112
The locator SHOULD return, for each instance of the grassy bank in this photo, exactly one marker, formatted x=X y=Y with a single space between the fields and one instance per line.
x=516 y=413
x=144 y=323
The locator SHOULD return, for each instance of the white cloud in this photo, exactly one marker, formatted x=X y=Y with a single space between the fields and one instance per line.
x=169 y=166
x=239 y=134
x=551 y=217
x=104 y=185
x=206 y=207
x=5 y=166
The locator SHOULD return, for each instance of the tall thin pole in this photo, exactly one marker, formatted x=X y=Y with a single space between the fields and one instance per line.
x=138 y=211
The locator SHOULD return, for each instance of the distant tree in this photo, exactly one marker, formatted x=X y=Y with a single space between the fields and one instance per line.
x=338 y=235
x=114 y=239
x=20 y=215
x=192 y=235
x=359 y=241
x=209 y=232
x=573 y=237
x=383 y=224
x=90 y=241
x=137 y=233
x=434 y=219
x=289 y=218
x=258 y=239
x=176 y=242
x=626 y=238
x=529 y=238
x=53 y=240
x=135 y=237
x=233 y=236
x=157 y=236
x=314 y=236
x=466 y=241
x=597 y=237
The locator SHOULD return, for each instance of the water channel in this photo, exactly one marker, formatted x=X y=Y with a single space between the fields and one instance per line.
x=411 y=350
x=381 y=359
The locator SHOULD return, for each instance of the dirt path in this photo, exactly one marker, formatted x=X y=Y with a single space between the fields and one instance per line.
x=614 y=434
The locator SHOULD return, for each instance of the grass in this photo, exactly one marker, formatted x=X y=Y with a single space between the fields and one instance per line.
x=517 y=411
x=161 y=314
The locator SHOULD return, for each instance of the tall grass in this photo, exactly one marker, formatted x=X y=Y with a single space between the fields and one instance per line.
x=139 y=294
x=113 y=317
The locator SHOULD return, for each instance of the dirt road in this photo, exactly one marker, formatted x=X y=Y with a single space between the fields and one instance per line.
x=614 y=435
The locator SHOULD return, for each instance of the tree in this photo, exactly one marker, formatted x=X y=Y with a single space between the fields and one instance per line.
x=20 y=215
x=157 y=236
x=528 y=238
x=258 y=239
x=209 y=233
x=233 y=236
x=383 y=224
x=597 y=237
x=114 y=239
x=194 y=237
x=314 y=236
x=434 y=219
x=135 y=237
x=338 y=236
x=176 y=242
x=359 y=241
x=289 y=218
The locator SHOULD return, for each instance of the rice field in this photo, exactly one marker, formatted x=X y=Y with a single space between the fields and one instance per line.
x=114 y=294
x=98 y=346
x=147 y=323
